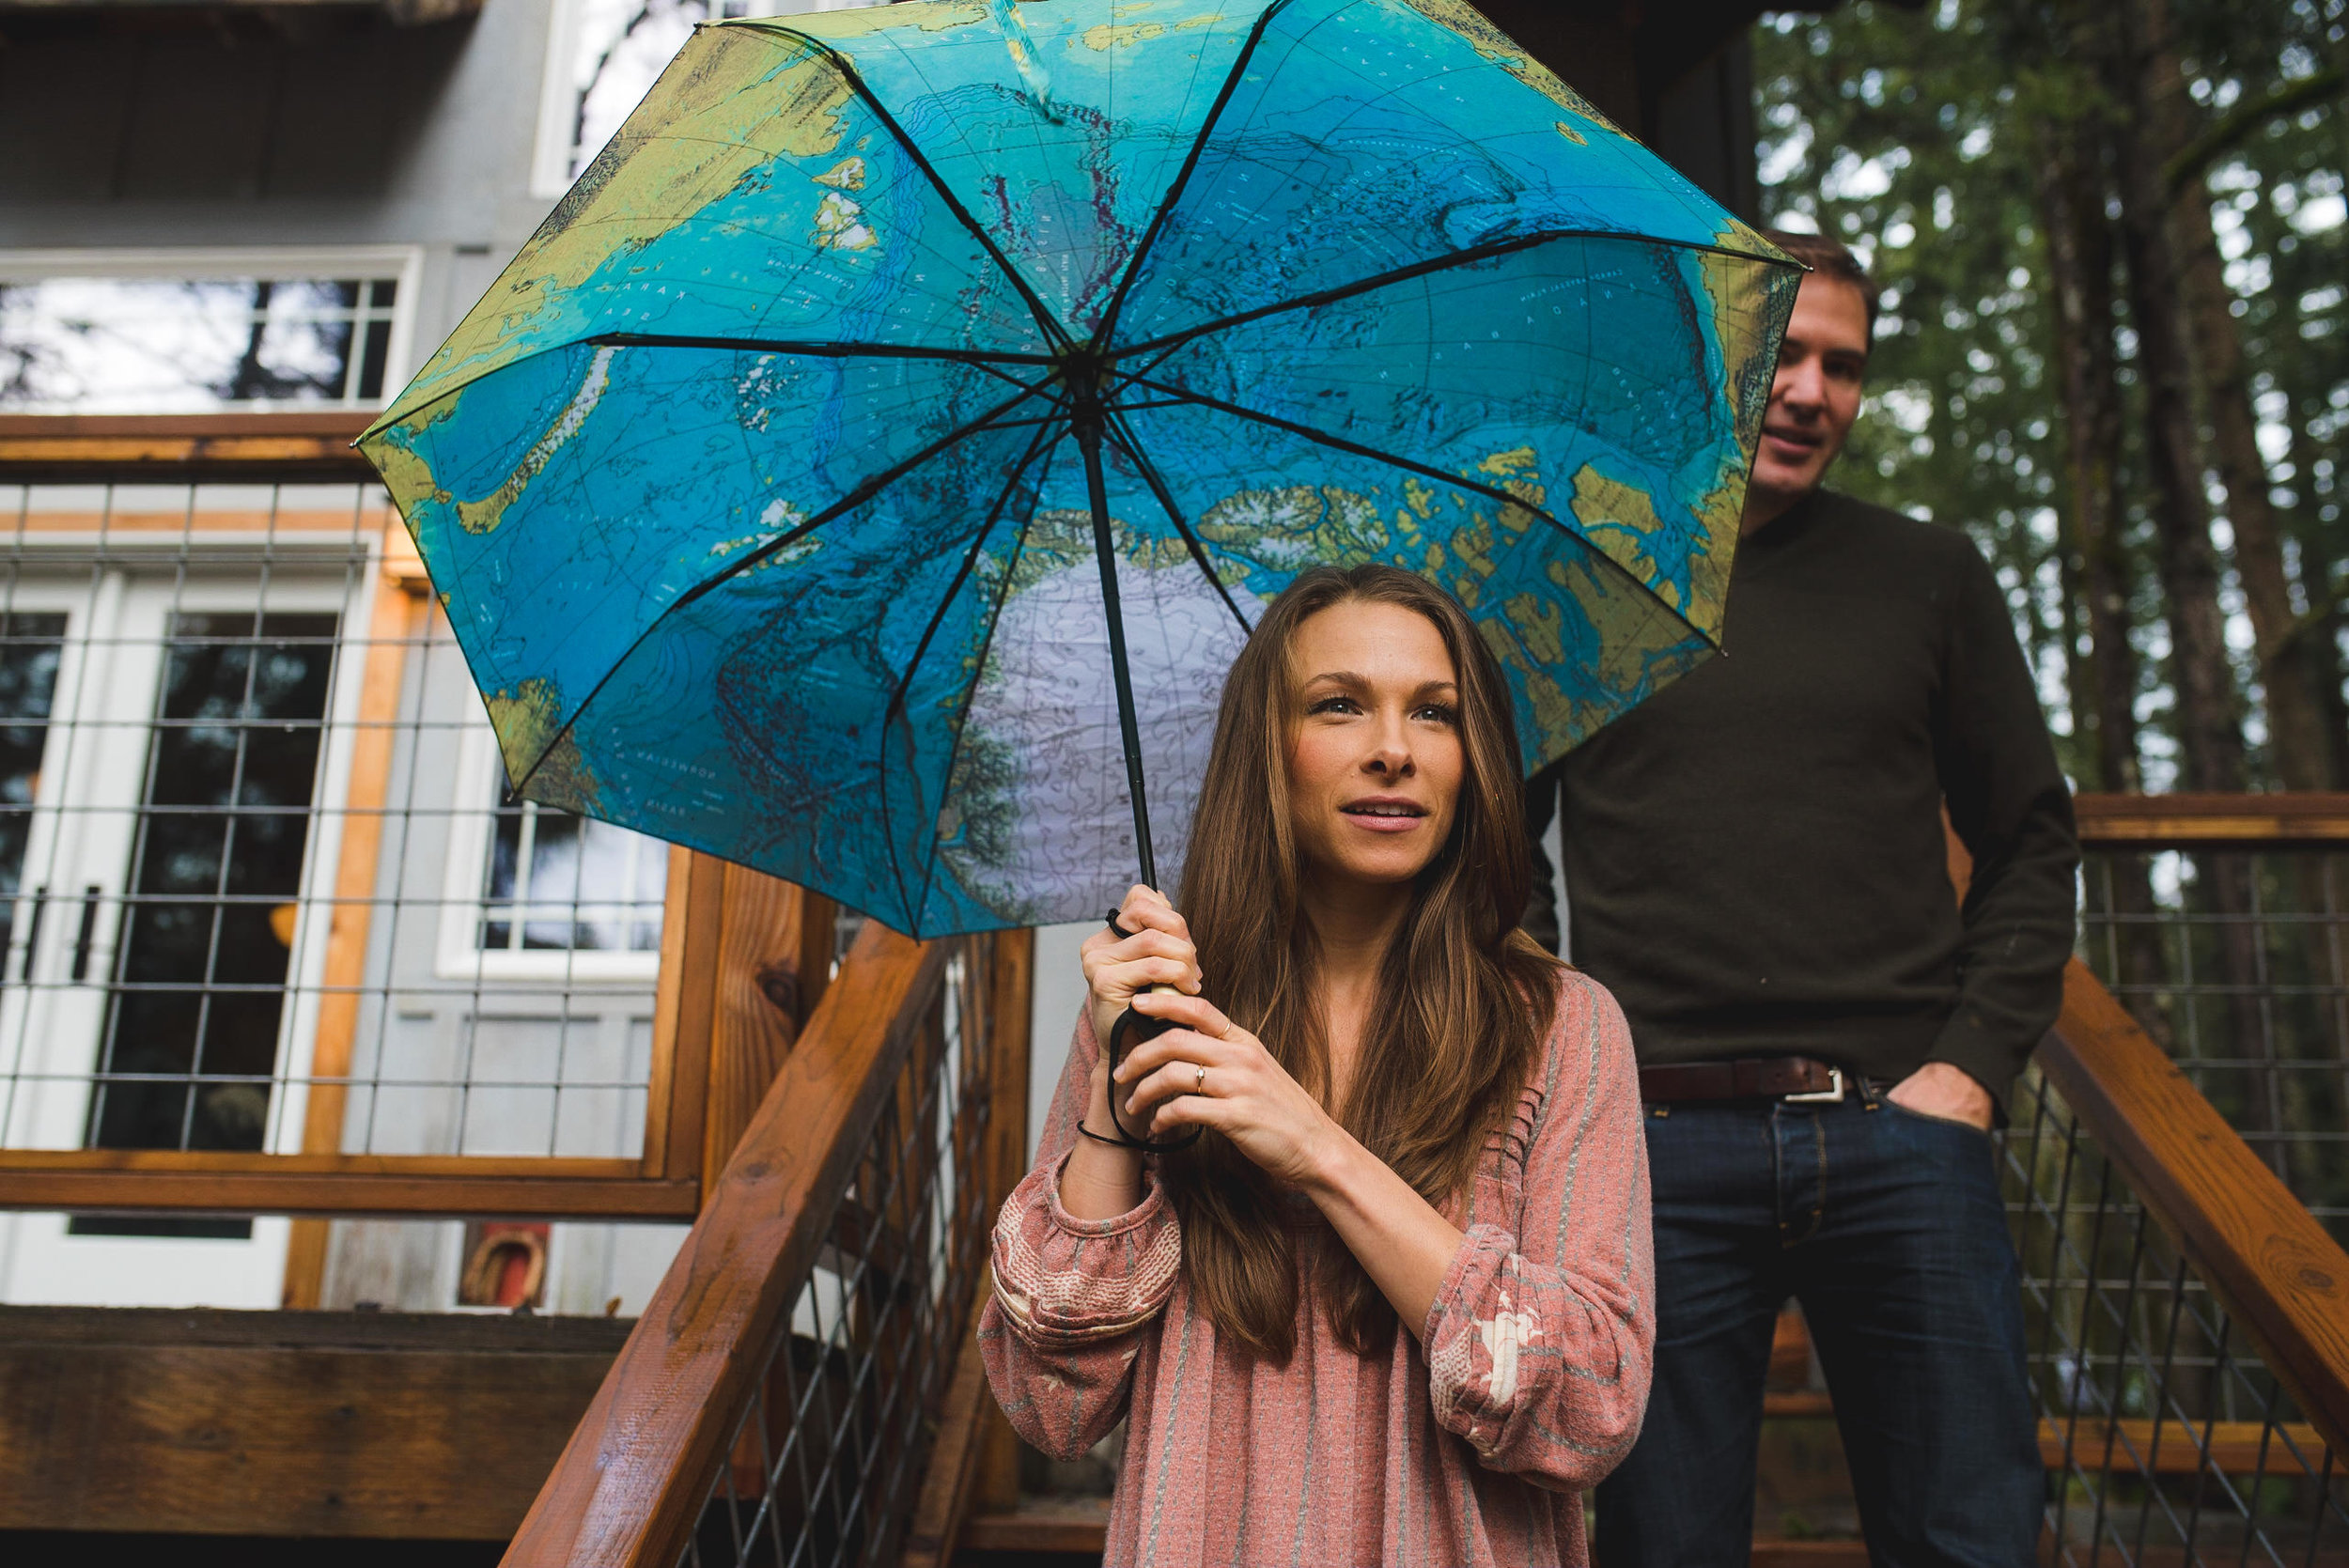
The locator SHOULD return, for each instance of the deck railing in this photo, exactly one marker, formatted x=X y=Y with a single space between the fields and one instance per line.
x=779 y=1400
x=2189 y=1314
x=273 y=940
x=2221 y=923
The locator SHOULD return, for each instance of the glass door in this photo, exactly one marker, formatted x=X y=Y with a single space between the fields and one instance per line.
x=162 y=757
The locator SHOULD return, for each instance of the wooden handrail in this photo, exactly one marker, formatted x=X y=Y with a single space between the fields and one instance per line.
x=2277 y=1273
x=2298 y=821
x=631 y=1482
x=259 y=447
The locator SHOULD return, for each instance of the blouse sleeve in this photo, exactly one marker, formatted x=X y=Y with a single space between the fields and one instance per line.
x=1541 y=1338
x=1073 y=1298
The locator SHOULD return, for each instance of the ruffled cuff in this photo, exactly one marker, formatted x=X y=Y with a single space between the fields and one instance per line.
x=1064 y=1282
x=1473 y=1335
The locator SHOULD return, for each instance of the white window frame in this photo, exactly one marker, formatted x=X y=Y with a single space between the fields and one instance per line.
x=465 y=889
x=402 y=264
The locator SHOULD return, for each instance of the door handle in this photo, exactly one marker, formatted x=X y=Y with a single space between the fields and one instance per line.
x=89 y=929
x=32 y=933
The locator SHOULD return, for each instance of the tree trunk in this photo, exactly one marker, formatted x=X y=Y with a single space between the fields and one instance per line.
x=2104 y=679
x=2209 y=731
x=2299 y=751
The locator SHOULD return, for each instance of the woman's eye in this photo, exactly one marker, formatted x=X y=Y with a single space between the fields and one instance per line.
x=1335 y=705
x=1434 y=713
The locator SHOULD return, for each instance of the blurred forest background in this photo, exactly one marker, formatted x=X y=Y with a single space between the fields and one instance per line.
x=2114 y=345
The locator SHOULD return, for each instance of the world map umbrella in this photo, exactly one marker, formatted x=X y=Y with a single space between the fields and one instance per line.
x=870 y=469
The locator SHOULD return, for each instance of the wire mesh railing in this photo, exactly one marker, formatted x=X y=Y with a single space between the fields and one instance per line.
x=2169 y=1436
x=2236 y=961
x=831 y=1451
x=778 y=1403
x=261 y=886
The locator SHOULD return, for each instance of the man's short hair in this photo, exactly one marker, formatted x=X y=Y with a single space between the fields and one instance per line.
x=1829 y=259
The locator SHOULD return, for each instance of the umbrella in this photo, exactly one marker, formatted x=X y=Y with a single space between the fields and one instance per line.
x=871 y=467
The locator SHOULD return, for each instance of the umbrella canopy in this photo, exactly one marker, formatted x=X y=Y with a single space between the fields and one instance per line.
x=773 y=491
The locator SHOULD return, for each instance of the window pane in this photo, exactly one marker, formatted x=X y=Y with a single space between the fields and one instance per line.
x=560 y=882
x=199 y=986
x=171 y=345
x=29 y=649
x=621 y=46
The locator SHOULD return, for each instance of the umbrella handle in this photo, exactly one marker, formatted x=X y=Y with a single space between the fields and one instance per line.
x=1143 y=1027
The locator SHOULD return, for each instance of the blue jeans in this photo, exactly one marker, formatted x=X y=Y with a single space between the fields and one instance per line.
x=1889 y=1228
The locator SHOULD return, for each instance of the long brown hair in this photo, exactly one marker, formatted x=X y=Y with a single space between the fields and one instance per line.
x=1463 y=997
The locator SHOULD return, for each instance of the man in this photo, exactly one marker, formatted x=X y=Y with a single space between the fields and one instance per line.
x=1756 y=867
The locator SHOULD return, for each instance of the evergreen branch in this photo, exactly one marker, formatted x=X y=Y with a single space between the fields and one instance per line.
x=2244 y=121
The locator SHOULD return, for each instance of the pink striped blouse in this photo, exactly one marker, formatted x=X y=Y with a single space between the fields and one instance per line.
x=1531 y=1389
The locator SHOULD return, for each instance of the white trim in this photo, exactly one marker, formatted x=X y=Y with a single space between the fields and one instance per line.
x=402 y=264
x=458 y=955
x=550 y=149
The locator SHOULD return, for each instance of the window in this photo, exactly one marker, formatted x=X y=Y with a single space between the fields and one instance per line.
x=558 y=881
x=603 y=56
x=191 y=333
x=191 y=1041
x=537 y=893
x=30 y=648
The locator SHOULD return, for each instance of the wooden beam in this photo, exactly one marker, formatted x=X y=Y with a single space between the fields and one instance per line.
x=342 y=1424
x=2278 y=821
x=1058 y=1524
x=2236 y=1448
x=774 y=954
x=683 y=1016
x=341 y=1186
x=312 y=444
x=396 y=620
x=954 y=1462
x=2282 y=1277
x=995 y=1488
x=630 y=1483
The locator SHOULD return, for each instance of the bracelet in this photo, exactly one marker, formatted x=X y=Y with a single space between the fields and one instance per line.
x=1121 y=1141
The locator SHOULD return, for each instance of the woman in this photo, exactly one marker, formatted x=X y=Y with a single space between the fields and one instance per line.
x=1412 y=1116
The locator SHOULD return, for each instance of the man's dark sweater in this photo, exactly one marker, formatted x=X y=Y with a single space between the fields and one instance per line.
x=1755 y=862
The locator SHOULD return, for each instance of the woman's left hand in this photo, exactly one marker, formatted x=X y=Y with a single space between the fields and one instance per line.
x=1244 y=1094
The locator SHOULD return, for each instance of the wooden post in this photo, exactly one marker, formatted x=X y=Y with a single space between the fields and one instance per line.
x=774 y=959
x=398 y=618
x=996 y=1489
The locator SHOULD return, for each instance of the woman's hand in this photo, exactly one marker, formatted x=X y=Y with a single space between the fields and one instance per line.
x=1118 y=968
x=1244 y=1094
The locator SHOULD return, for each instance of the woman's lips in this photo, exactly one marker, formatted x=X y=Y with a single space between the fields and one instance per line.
x=1385 y=816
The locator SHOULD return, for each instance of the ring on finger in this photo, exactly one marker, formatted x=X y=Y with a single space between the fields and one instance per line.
x=1199 y=1083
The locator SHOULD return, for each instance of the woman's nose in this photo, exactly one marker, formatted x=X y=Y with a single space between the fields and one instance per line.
x=1393 y=757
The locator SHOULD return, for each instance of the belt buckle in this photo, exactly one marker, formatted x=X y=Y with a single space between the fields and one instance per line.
x=1831 y=1095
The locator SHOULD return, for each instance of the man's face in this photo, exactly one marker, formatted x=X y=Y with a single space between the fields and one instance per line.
x=1814 y=398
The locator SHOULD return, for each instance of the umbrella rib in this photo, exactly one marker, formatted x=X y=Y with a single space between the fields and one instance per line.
x=1421 y=268
x=1359 y=450
x=864 y=492
x=1045 y=320
x=1182 y=176
x=1460 y=481
x=985 y=358
x=1045 y=438
x=1125 y=442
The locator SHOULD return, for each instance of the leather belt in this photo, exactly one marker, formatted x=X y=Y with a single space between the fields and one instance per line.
x=1798 y=1079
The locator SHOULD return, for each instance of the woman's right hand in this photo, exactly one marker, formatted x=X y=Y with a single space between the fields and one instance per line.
x=1159 y=953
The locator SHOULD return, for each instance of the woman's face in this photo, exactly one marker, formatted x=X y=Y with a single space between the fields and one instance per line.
x=1375 y=762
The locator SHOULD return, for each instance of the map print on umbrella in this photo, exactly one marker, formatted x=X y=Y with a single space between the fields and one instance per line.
x=757 y=490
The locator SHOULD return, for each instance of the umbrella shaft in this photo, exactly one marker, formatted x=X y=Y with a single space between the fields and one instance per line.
x=1089 y=441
